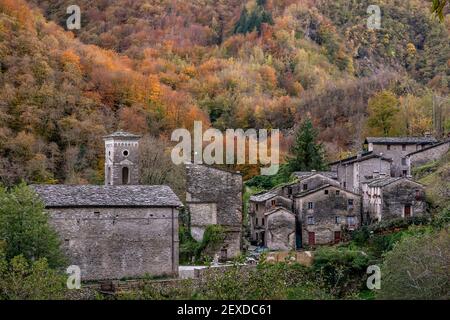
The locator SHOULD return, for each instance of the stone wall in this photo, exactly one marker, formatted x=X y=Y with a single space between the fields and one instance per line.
x=429 y=154
x=206 y=185
x=118 y=155
x=397 y=195
x=326 y=207
x=280 y=230
x=396 y=153
x=113 y=243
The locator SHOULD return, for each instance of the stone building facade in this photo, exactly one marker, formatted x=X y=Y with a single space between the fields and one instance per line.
x=112 y=232
x=214 y=197
x=121 y=229
x=387 y=198
x=121 y=158
x=280 y=229
x=397 y=149
x=320 y=207
x=427 y=154
x=325 y=212
x=353 y=171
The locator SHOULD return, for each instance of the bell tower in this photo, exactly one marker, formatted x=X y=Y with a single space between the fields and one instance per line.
x=121 y=158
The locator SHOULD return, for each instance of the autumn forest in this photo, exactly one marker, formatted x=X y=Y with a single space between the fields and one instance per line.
x=151 y=66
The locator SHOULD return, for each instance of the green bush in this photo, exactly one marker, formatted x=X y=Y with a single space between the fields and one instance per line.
x=417 y=268
x=342 y=269
x=24 y=227
x=20 y=279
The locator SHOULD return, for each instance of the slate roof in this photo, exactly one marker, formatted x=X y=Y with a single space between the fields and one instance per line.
x=364 y=156
x=382 y=182
x=122 y=134
x=401 y=140
x=305 y=174
x=324 y=186
x=276 y=209
x=106 y=196
x=264 y=196
x=429 y=147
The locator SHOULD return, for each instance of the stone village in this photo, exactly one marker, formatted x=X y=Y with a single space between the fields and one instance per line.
x=124 y=230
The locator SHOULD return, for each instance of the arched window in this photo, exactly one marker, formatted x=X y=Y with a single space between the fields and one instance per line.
x=125 y=175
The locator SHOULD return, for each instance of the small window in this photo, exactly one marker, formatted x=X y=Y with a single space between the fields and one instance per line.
x=403 y=161
x=418 y=195
x=326 y=191
x=305 y=186
x=388 y=147
x=403 y=147
x=273 y=203
x=256 y=221
x=310 y=205
x=351 y=221
x=345 y=184
x=404 y=173
x=257 y=207
x=125 y=153
x=350 y=203
x=337 y=220
x=289 y=190
x=310 y=220
x=262 y=221
x=338 y=192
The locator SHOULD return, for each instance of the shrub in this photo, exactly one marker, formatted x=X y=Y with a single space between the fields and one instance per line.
x=24 y=227
x=342 y=269
x=417 y=268
x=20 y=279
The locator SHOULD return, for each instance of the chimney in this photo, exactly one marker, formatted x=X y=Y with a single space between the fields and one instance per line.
x=313 y=170
x=428 y=134
x=376 y=174
x=359 y=155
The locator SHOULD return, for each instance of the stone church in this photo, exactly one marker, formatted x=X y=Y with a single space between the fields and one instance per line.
x=121 y=229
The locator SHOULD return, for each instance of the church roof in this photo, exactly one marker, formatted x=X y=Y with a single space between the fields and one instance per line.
x=122 y=134
x=107 y=196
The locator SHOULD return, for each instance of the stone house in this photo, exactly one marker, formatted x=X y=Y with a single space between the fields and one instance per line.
x=427 y=154
x=280 y=229
x=112 y=232
x=353 y=171
x=323 y=213
x=259 y=205
x=321 y=209
x=397 y=149
x=120 y=229
x=282 y=196
x=392 y=197
x=214 y=197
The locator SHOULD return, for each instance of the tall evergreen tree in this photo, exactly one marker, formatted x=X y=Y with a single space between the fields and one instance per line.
x=306 y=153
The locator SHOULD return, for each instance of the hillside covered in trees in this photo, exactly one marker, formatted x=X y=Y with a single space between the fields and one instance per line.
x=152 y=66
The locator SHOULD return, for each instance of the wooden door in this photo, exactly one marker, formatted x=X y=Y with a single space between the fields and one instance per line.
x=337 y=236
x=407 y=211
x=311 y=238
